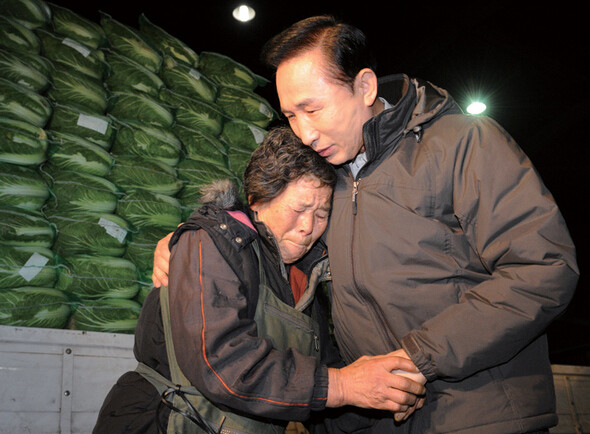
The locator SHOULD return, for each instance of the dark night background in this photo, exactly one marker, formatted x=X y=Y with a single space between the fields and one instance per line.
x=526 y=62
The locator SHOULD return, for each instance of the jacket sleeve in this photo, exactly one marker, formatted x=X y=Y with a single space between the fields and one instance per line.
x=216 y=340
x=512 y=223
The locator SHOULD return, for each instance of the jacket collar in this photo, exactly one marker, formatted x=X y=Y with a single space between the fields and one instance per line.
x=415 y=103
x=384 y=130
x=215 y=220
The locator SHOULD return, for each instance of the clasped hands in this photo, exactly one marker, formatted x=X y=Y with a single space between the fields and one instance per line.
x=386 y=382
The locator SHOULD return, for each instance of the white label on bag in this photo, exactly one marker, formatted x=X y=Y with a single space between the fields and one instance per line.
x=264 y=110
x=113 y=229
x=84 y=51
x=194 y=73
x=33 y=266
x=93 y=123
x=258 y=135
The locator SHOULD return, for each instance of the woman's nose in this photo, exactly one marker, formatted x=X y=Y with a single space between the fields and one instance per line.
x=306 y=223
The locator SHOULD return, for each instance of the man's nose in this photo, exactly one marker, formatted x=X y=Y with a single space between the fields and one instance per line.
x=307 y=133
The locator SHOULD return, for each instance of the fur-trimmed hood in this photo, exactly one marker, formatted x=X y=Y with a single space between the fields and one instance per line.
x=223 y=194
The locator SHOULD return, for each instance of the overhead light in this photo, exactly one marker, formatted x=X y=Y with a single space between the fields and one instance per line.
x=476 y=108
x=244 y=13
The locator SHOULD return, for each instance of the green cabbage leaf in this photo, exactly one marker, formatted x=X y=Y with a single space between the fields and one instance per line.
x=167 y=44
x=34 y=307
x=22 y=143
x=107 y=316
x=96 y=276
x=89 y=233
x=22 y=187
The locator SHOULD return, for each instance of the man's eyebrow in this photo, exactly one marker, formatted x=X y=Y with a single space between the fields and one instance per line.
x=301 y=104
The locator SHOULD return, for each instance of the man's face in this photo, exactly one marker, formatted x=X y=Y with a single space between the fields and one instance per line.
x=297 y=217
x=324 y=113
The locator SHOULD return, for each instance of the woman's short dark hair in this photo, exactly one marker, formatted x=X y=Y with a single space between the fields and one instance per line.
x=281 y=159
x=344 y=46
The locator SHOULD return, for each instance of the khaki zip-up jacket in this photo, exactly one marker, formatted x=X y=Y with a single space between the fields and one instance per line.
x=447 y=244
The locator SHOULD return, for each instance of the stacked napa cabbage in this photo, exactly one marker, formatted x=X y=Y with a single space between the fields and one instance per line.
x=107 y=133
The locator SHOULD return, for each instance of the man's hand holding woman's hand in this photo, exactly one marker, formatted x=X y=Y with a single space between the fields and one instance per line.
x=387 y=382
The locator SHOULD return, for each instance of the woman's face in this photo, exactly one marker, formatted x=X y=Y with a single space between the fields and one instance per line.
x=297 y=217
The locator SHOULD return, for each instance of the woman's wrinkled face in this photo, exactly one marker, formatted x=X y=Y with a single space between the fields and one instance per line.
x=297 y=217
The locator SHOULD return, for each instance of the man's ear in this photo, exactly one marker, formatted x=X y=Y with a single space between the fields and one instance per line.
x=366 y=82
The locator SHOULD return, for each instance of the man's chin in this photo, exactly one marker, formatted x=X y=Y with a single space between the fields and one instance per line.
x=338 y=159
x=334 y=160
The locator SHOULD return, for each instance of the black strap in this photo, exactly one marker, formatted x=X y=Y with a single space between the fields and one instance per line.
x=192 y=414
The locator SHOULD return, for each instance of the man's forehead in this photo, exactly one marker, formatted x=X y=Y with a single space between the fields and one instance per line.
x=309 y=64
x=299 y=87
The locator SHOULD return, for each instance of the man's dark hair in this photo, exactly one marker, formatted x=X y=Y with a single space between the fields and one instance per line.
x=280 y=159
x=344 y=46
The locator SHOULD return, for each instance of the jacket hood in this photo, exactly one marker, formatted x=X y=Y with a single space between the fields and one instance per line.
x=222 y=194
x=219 y=198
x=415 y=103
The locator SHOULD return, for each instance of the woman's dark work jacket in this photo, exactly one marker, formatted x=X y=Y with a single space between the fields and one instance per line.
x=218 y=345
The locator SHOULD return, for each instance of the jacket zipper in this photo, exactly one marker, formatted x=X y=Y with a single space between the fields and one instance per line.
x=355 y=192
x=365 y=294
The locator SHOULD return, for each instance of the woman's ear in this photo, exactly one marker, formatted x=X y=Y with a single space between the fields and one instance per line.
x=366 y=82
